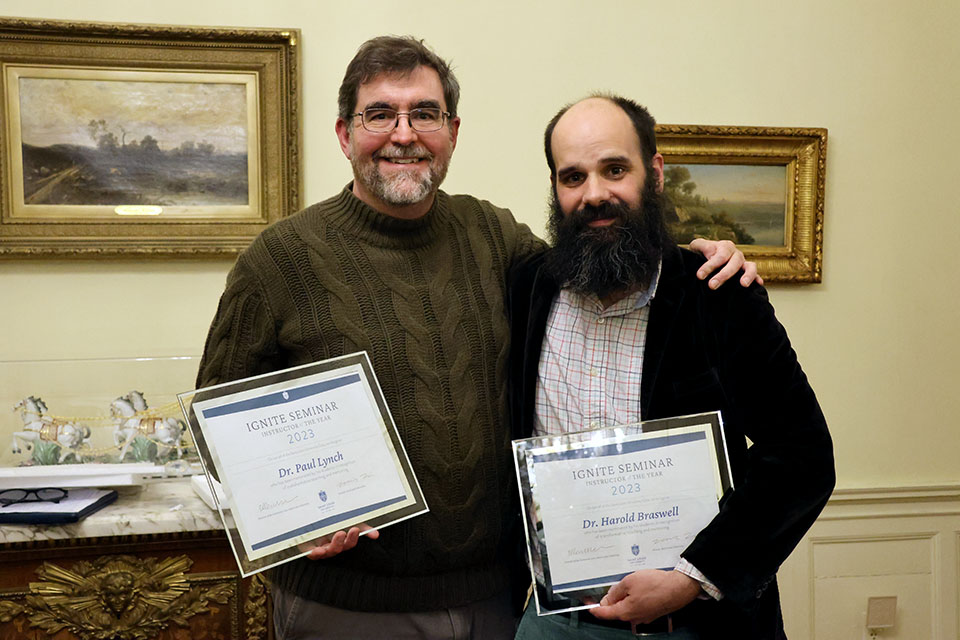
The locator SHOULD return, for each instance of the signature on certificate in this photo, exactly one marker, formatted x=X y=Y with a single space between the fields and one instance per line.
x=275 y=504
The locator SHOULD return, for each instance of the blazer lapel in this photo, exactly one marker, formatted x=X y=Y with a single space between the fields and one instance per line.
x=664 y=310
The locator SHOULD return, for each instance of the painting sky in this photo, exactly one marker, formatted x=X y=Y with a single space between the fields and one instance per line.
x=740 y=183
x=58 y=110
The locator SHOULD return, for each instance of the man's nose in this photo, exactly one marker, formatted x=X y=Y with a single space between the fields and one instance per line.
x=403 y=133
x=595 y=192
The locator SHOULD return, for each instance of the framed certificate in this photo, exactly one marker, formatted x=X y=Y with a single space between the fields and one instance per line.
x=299 y=454
x=599 y=505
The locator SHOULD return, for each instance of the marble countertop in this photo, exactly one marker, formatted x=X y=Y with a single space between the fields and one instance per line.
x=160 y=506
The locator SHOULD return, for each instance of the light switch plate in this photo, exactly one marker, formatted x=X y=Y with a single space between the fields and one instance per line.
x=881 y=612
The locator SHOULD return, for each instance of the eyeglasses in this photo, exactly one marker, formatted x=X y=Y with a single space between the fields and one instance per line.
x=423 y=120
x=18 y=496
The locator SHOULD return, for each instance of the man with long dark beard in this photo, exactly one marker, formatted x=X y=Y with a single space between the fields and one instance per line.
x=603 y=260
x=612 y=326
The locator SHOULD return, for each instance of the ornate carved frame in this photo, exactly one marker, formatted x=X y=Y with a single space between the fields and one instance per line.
x=801 y=150
x=268 y=58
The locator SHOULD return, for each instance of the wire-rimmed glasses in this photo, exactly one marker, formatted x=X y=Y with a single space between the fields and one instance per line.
x=424 y=119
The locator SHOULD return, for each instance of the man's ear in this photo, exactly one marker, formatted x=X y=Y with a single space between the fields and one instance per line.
x=657 y=163
x=454 y=131
x=343 y=135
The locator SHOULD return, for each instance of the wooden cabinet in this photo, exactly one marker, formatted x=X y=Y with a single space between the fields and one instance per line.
x=155 y=565
x=172 y=586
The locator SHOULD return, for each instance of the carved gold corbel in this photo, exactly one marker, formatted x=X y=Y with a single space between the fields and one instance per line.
x=255 y=608
x=118 y=597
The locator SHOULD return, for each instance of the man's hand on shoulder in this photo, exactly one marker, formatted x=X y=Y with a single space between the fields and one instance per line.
x=723 y=253
x=643 y=596
x=330 y=545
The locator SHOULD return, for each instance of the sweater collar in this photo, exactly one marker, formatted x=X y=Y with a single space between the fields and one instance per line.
x=351 y=215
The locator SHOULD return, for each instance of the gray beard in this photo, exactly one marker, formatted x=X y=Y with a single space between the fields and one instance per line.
x=398 y=190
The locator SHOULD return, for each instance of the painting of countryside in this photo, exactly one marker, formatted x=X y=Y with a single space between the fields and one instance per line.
x=742 y=203
x=122 y=142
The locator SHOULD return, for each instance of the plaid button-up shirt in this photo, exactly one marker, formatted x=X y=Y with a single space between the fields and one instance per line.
x=591 y=362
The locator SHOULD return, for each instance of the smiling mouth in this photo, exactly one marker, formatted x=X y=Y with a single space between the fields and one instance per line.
x=601 y=222
x=402 y=160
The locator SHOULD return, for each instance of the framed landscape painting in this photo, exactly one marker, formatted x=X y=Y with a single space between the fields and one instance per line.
x=762 y=188
x=126 y=139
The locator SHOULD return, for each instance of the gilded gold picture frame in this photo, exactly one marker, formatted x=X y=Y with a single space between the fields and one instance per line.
x=119 y=139
x=762 y=187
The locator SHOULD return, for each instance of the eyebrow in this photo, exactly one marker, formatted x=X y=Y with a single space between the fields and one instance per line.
x=427 y=104
x=378 y=105
x=422 y=104
x=616 y=160
x=563 y=173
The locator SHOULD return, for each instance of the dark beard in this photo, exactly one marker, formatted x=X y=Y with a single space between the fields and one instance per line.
x=604 y=260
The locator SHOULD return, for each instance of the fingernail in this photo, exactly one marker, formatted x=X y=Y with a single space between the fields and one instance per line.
x=714 y=284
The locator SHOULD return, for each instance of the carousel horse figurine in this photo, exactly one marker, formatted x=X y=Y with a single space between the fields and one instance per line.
x=128 y=411
x=39 y=427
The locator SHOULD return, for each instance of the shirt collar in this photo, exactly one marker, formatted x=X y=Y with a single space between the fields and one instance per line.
x=634 y=301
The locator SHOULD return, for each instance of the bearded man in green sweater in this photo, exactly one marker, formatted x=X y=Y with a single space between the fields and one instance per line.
x=416 y=278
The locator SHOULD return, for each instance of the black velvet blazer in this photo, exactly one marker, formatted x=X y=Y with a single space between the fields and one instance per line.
x=705 y=351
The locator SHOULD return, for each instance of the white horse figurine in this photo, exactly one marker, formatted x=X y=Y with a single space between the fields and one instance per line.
x=129 y=410
x=39 y=427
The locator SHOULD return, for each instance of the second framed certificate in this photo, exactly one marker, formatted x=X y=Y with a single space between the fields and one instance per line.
x=301 y=453
x=599 y=505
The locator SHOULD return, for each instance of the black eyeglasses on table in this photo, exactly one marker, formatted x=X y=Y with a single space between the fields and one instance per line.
x=19 y=496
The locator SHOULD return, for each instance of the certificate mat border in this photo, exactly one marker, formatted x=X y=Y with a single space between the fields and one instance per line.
x=546 y=600
x=278 y=395
x=634 y=443
x=249 y=566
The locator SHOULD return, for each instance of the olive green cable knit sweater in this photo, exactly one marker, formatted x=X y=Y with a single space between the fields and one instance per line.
x=425 y=299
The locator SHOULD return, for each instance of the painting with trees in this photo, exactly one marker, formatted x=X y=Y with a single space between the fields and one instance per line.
x=150 y=141
x=761 y=187
x=742 y=203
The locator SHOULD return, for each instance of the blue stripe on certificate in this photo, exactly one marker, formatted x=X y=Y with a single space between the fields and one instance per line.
x=594 y=582
x=326 y=522
x=621 y=448
x=281 y=397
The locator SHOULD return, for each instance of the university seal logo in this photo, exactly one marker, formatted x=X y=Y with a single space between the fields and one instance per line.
x=635 y=549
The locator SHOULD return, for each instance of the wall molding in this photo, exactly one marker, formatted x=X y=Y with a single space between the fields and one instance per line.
x=860 y=524
x=893 y=502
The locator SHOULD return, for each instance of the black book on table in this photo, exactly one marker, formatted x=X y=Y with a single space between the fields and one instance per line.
x=78 y=504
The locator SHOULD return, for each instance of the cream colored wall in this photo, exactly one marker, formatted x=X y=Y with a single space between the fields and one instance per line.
x=877 y=337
